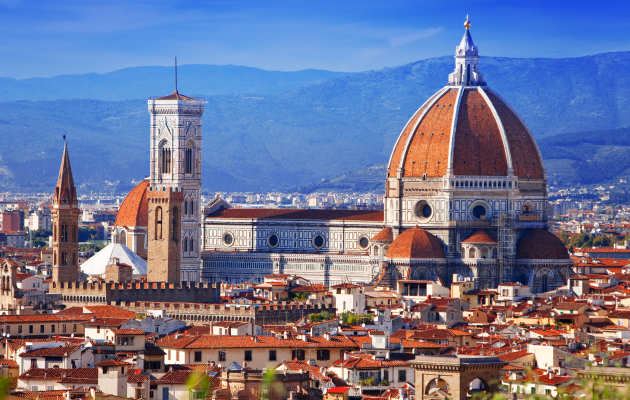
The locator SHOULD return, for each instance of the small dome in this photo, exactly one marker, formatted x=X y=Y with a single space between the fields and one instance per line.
x=481 y=236
x=134 y=210
x=385 y=236
x=540 y=244
x=416 y=243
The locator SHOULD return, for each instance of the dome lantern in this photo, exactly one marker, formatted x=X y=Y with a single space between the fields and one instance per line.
x=466 y=62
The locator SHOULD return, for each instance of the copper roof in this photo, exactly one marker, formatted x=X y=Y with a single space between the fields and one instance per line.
x=299 y=214
x=478 y=149
x=134 y=210
x=540 y=244
x=416 y=243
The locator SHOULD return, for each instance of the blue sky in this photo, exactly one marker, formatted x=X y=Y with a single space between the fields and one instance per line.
x=51 y=37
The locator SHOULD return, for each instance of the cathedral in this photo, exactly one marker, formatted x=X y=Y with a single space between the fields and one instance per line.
x=465 y=197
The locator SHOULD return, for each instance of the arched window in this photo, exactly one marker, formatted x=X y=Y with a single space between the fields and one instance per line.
x=185 y=207
x=185 y=245
x=164 y=161
x=472 y=253
x=64 y=233
x=191 y=245
x=174 y=223
x=188 y=160
x=158 y=223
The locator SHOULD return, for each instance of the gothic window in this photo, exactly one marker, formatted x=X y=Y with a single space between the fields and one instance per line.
x=158 y=223
x=191 y=245
x=188 y=160
x=185 y=207
x=64 y=233
x=164 y=159
x=174 y=223
x=185 y=245
x=64 y=258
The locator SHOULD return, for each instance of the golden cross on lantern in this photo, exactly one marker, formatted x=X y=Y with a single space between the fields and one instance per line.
x=467 y=23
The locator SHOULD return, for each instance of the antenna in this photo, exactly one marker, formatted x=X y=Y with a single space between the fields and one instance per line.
x=175 y=74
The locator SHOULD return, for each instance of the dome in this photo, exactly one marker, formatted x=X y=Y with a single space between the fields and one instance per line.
x=467 y=129
x=97 y=264
x=416 y=243
x=480 y=236
x=540 y=244
x=385 y=235
x=134 y=210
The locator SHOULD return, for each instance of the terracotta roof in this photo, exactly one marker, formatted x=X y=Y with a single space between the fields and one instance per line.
x=59 y=351
x=480 y=236
x=128 y=331
x=135 y=208
x=298 y=214
x=218 y=341
x=71 y=375
x=99 y=311
x=540 y=244
x=174 y=377
x=385 y=235
x=176 y=96
x=424 y=145
x=112 y=363
x=416 y=243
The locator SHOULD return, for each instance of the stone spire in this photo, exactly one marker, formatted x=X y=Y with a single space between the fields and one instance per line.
x=65 y=192
x=466 y=61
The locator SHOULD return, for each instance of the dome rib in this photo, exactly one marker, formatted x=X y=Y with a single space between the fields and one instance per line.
x=397 y=158
x=478 y=148
x=506 y=146
x=451 y=144
x=430 y=140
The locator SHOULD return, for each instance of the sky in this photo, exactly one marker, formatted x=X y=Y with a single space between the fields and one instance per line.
x=53 y=37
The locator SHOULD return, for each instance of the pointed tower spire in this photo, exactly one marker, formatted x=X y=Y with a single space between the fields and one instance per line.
x=466 y=61
x=65 y=192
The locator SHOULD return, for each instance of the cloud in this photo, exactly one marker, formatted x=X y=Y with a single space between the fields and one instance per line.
x=403 y=40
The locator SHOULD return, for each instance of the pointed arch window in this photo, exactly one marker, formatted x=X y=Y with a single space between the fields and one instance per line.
x=164 y=159
x=158 y=223
x=64 y=232
x=188 y=160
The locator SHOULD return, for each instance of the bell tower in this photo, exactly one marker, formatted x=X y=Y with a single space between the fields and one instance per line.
x=176 y=163
x=65 y=216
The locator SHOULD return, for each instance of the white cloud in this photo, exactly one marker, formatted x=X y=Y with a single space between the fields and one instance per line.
x=403 y=40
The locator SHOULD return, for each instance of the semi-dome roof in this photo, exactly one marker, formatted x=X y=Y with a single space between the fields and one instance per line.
x=134 y=210
x=465 y=128
x=540 y=244
x=416 y=243
x=480 y=236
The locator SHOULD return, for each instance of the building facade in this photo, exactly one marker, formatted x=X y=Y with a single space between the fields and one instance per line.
x=465 y=194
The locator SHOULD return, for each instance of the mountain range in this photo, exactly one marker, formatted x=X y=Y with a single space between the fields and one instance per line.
x=275 y=130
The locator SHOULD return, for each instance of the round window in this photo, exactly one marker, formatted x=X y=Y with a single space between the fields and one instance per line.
x=479 y=211
x=273 y=240
x=423 y=210
x=364 y=242
x=318 y=241
x=228 y=239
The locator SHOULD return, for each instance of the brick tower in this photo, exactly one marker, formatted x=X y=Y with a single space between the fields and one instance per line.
x=176 y=163
x=65 y=216
x=165 y=234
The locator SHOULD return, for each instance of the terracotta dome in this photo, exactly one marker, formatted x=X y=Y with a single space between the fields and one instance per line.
x=540 y=244
x=134 y=210
x=385 y=235
x=416 y=243
x=480 y=236
x=465 y=128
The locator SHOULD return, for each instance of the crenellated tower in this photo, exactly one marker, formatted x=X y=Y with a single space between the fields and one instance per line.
x=176 y=163
x=65 y=216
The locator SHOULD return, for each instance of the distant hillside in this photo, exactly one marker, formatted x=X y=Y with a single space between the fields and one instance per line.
x=143 y=82
x=297 y=137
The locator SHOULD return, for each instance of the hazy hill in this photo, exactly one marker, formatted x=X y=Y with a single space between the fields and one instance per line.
x=143 y=82
x=288 y=138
